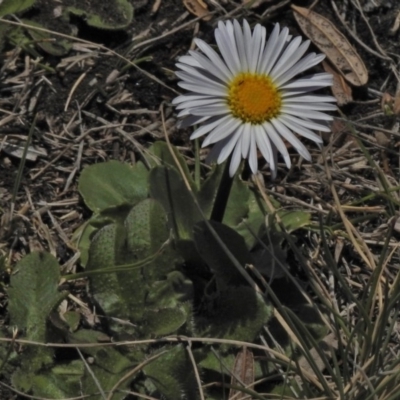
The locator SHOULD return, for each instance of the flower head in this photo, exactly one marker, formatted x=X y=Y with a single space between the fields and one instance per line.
x=246 y=97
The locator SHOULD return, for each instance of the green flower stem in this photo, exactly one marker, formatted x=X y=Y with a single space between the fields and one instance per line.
x=222 y=197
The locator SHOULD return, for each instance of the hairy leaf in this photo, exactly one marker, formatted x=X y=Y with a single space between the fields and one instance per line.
x=167 y=186
x=53 y=45
x=172 y=375
x=14 y=6
x=34 y=293
x=237 y=313
x=217 y=258
x=61 y=381
x=112 y=184
x=160 y=154
x=164 y=321
x=123 y=294
x=108 y=365
x=293 y=220
x=120 y=18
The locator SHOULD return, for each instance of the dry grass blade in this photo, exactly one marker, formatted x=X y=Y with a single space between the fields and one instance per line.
x=340 y=88
x=243 y=374
x=328 y=39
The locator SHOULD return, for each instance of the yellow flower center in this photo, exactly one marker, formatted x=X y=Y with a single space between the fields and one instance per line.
x=254 y=98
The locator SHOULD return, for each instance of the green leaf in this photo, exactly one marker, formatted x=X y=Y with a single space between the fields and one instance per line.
x=164 y=321
x=18 y=37
x=172 y=375
x=209 y=189
x=253 y=225
x=170 y=292
x=82 y=237
x=109 y=366
x=4 y=29
x=270 y=255
x=293 y=220
x=237 y=313
x=50 y=44
x=222 y=361
x=237 y=207
x=147 y=233
x=60 y=382
x=8 y=7
x=160 y=154
x=112 y=184
x=216 y=256
x=34 y=294
x=167 y=186
x=72 y=318
x=120 y=17
x=122 y=294
x=2 y=264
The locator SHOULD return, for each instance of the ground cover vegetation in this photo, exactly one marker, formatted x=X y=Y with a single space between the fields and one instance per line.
x=132 y=267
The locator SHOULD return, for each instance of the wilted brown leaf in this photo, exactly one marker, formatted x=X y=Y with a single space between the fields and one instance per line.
x=198 y=8
x=340 y=88
x=325 y=345
x=333 y=43
x=339 y=133
x=382 y=138
x=243 y=370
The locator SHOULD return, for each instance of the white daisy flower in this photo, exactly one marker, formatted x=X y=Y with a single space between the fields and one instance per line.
x=246 y=98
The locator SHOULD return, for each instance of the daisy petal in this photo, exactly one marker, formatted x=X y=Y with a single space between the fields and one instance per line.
x=253 y=161
x=227 y=150
x=211 y=124
x=276 y=51
x=189 y=61
x=198 y=103
x=240 y=45
x=256 y=47
x=188 y=97
x=215 y=59
x=225 y=39
x=246 y=137
x=210 y=110
x=308 y=124
x=235 y=160
x=269 y=48
x=201 y=89
x=191 y=120
x=247 y=96
x=303 y=65
x=291 y=138
x=316 y=106
x=278 y=142
x=286 y=56
x=312 y=99
x=300 y=130
x=263 y=143
x=222 y=131
x=305 y=113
